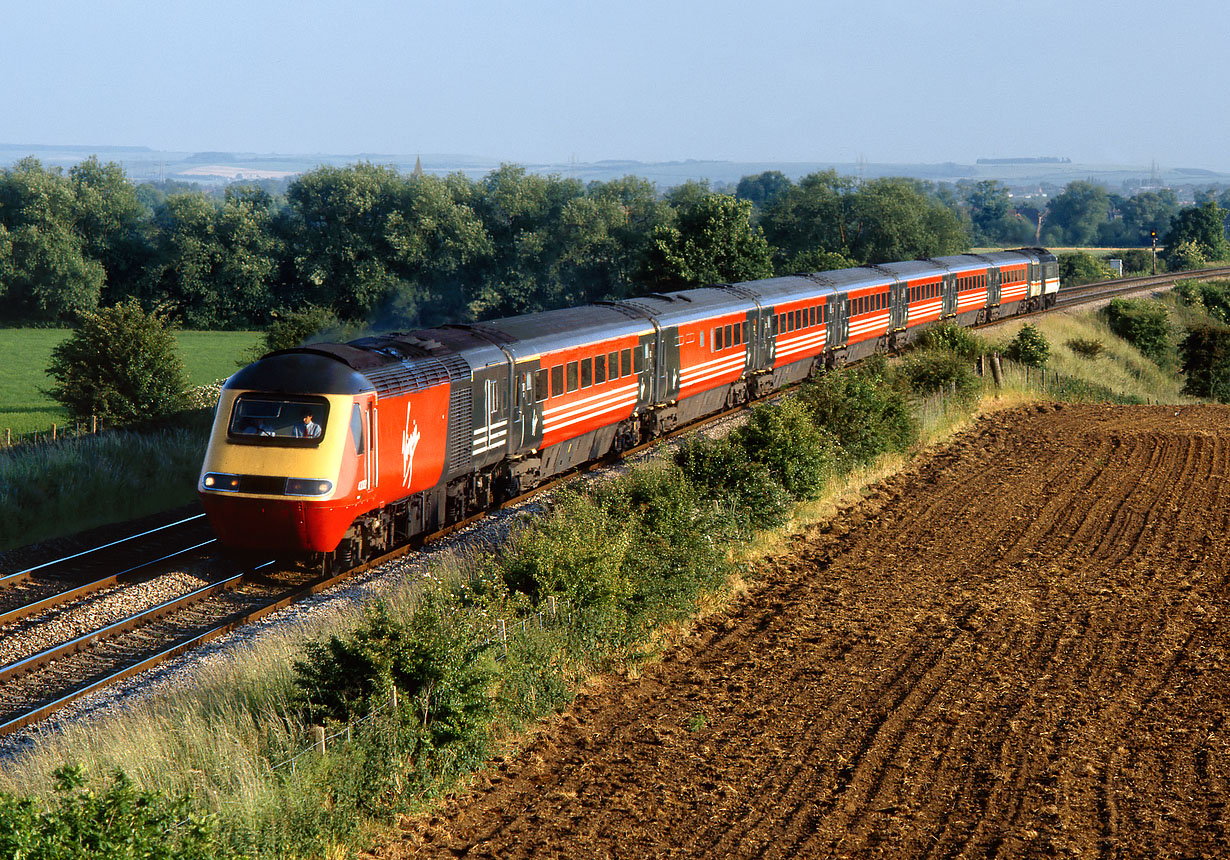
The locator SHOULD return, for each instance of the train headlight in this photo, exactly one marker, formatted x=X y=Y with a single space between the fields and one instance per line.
x=307 y=487
x=220 y=481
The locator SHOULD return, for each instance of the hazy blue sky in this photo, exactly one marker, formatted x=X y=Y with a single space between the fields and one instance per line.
x=531 y=81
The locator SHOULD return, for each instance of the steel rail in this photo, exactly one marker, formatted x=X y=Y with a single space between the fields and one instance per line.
x=22 y=575
x=89 y=588
x=132 y=622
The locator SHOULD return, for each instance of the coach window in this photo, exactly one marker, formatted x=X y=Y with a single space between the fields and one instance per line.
x=625 y=362
x=638 y=358
x=717 y=338
x=587 y=372
x=599 y=369
x=572 y=376
x=727 y=338
x=739 y=333
x=557 y=380
x=612 y=361
x=540 y=386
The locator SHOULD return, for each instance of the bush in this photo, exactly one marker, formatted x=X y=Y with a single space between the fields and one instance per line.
x=120 y=364
x=1081 y=268
x=436 y=660
x=1188 y=254
x=722 y=472
x=862 y=410
x=120 y=821
x=783 y=438
x=934 y=370
x=953 y=338
x=1029 y=347
x=1205 y=356
x=1086 y=347
x=1143 y=324
x=1138 y=261
x=1212 y=296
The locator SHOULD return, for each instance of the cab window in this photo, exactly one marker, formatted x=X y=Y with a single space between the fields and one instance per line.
x=261 y=419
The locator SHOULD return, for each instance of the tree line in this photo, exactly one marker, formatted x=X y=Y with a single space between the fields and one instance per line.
x=366 y=244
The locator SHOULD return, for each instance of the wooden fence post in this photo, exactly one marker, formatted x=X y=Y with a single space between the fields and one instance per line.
x=318 y=732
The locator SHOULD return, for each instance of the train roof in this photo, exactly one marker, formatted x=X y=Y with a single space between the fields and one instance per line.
x=545 y=331
x=684 y=306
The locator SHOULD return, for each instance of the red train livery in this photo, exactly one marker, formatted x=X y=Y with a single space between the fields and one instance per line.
x=343 y=450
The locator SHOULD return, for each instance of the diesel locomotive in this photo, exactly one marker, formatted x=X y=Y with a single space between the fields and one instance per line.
x=338 y=451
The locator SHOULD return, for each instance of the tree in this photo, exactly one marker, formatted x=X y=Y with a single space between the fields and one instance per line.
x=113 y=224
x=1203 y=225
x=895 y=219
x=218 y=263
x=50 y=276
x=812 y=215
x=120 y=364
x=713 y=242
x=335 y=225
x=1074 y=216
x=763 y=189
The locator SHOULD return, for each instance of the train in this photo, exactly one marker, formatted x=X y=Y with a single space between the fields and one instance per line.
x=337 y=452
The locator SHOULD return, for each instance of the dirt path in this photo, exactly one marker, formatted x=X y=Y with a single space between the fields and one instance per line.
x=1018 y=648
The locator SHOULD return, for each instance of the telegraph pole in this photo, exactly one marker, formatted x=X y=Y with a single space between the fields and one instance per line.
x=1153 y=236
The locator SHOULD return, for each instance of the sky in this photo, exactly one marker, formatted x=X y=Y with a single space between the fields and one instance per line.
x=535 y=81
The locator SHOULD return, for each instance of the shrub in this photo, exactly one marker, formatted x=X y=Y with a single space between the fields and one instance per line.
x=1188 y=254
x=782 y=437
x=119 y=821
x=436 y=660
x=1143 y=324
x=1086 y=347
x=1205 y=356
x=1029 y=347
x=1081 y=268
x=120 y=364
x=934 y=370
x=953 y=338
x=1212 y=296
x=722 y=471
x=1139 y=261
x=861 y=410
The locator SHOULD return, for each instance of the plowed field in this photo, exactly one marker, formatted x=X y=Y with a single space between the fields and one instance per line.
x=1017 y=648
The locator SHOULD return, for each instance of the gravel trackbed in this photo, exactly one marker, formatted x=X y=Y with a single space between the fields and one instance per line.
x=1018 y=647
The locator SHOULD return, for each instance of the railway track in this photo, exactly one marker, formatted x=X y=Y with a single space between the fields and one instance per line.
x=35 y=682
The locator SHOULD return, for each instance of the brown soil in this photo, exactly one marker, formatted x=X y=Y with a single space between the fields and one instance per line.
x=1017 y=648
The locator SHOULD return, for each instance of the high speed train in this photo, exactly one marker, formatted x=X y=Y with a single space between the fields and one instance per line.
x=338 y=451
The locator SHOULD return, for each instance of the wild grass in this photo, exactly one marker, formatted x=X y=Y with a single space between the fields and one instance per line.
x=72 y=485
x=1119 y=367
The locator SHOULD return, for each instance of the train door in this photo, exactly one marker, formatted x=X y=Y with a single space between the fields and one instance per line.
x=838 y=333
x=948 y=306
x=992 y=287
x=524 y=430
x=899 y=305
x=363 y=444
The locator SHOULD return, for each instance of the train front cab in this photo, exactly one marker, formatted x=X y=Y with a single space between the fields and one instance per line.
x=286 y=471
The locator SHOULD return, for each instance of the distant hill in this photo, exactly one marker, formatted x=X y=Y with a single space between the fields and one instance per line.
x=1027 y=176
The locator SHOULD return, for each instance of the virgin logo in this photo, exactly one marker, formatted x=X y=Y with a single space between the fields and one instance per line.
x=409 y=441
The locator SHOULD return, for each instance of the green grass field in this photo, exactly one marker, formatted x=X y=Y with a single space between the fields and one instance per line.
x=24 y=408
